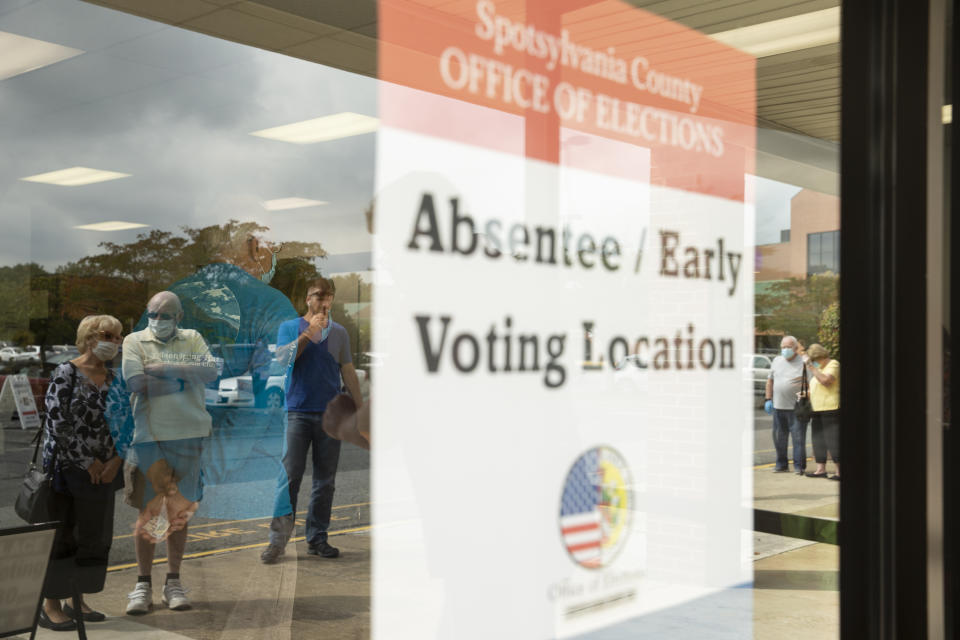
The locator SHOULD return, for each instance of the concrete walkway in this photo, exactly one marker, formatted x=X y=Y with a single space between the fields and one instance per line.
x=796 y=584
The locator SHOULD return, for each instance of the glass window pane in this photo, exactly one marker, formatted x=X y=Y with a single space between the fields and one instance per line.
x=566 y=210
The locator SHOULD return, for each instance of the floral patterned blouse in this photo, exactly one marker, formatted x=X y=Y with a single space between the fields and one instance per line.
x=76 y=426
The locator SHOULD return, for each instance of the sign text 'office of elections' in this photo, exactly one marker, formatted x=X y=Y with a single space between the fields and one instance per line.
x=564 y=300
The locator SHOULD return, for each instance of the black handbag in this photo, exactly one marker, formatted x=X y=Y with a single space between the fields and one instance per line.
x=804 y=408
x=35 y=500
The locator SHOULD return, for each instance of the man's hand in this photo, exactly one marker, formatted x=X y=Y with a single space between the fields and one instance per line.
x=155 y=369
x=162 y=386
x=343 y=421
x=150 y=511
x=180 y=510
x=95 y=469
x=110 y=468
x=177 y=509
x=317 y=324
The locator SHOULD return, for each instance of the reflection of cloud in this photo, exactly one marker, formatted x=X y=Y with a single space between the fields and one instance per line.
x=174 y=109
x=773 y=208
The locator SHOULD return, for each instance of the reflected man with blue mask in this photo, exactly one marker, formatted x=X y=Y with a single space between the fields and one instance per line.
x=783 y=384
x=231 y=303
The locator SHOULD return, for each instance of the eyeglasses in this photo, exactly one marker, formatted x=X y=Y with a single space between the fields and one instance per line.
x=107 y=335
x=153 y=315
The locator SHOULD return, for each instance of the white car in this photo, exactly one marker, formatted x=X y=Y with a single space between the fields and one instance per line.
x=238 y=391
x=13 y=355
x=757 y=368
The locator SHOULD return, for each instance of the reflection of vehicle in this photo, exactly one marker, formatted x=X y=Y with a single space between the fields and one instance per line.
x=238 y=391
x=53 y=350
x=758 y=368
x=32 y=353
x=12 y=355
x=59 y=358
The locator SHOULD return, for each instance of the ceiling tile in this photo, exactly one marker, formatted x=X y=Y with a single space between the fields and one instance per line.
x=243 y=27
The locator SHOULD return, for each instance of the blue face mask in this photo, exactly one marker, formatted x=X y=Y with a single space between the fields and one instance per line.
x=268 y=276
x=787 y=353
x=816 y=364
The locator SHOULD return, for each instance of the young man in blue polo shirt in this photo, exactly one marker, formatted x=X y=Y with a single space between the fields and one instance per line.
x=318 y=352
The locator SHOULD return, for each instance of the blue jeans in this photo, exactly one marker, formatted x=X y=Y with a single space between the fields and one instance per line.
x=785 y=424
x=304 y=430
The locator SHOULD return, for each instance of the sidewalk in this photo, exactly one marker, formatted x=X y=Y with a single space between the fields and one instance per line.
x=796 y=584
x=238 y=598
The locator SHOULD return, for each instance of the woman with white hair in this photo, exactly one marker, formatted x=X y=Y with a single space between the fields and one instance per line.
x=825 y=397
x=79 y=451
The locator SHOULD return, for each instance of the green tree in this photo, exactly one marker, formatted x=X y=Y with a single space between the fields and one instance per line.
x=120 y=280
x=352 y=286
x=160 y=258
x=829 y=333
x=15 y=302
x=795 y=306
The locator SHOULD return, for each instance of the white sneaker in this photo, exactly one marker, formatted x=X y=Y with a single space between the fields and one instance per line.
x=141 y=599
x=174 y=595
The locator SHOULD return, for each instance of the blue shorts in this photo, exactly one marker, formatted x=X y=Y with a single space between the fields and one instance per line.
x=183 y=457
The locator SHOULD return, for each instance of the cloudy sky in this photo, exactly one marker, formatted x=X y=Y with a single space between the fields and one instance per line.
x=174 y=109
x=773 y=208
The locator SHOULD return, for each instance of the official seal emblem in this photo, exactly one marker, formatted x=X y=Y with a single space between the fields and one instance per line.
x=595 y=508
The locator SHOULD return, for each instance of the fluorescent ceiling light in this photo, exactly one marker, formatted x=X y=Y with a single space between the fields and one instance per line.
x=804 y=31
x=75 y=176
x=946 y=113
x=111 y=225
x=339 y=125
x=19 y=54
x=282 y=204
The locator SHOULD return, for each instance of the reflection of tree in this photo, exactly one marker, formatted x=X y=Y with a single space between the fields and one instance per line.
x=41 y=307
x=160 y=258
x=37 y=306
x=353 y=286
x=795 y=306
x=14 y=298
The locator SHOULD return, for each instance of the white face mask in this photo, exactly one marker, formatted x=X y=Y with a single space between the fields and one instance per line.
x=163 y=329
x=106 y=350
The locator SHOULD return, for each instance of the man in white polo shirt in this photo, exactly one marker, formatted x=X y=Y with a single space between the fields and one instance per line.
x=783 y=383
x=165 y=369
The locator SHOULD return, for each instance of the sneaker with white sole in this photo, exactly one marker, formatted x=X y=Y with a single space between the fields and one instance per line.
x=141 y=599
x=174 y=595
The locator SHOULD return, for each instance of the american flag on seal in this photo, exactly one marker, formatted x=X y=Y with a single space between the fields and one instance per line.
x=579 y=513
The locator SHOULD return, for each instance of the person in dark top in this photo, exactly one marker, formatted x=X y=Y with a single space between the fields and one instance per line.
x=80 y=453
x=318 y=352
